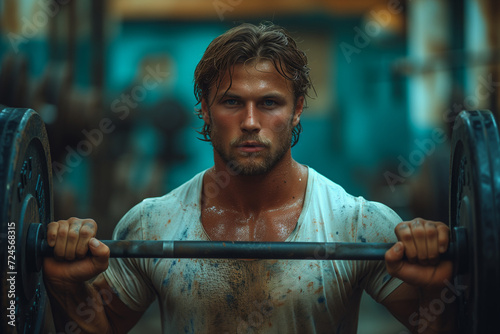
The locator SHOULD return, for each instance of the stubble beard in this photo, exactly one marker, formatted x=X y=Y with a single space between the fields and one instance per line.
x=253 y=163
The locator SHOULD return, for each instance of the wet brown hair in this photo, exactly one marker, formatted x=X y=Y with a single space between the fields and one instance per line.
x=249 y=42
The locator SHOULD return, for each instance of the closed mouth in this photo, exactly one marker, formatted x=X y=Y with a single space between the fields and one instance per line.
x=251 y=144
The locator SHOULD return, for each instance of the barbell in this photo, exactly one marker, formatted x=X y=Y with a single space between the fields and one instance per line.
x=27 y=207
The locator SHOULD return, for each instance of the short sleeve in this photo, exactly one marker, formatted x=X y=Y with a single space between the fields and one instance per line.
x=128 y=276
x=377 y=223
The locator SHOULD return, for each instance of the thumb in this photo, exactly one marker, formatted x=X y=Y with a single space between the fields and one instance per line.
x=394 y=258
x=100 y=254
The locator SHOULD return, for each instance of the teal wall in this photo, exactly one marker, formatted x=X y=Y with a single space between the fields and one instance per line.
x=351 y=140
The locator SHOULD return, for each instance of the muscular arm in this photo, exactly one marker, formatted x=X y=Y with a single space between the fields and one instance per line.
x=423 y=311
x=424 y=302
x=90 y=308
x=77 y=305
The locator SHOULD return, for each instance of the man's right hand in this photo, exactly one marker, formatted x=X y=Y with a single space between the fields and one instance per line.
x=72 y=240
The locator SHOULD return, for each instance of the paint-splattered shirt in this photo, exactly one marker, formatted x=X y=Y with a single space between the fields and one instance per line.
x=256 y=296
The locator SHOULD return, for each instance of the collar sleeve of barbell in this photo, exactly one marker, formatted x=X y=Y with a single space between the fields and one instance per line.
x=45 y=249
x=140 y=248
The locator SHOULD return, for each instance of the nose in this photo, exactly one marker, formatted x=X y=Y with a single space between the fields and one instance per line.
x=250 y=122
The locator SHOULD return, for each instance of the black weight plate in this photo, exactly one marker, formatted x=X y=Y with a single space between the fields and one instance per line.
x=475 y=205
x=25 y=198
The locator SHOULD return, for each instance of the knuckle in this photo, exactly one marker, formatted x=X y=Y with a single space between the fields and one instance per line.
x=75 y=224
x=401 y=226
x=443 y=237
x=443 y=232
x=443 y=242
x=51 y=234
x=411 y=253
x=59 y=224
x=72 y=220
x=62 y=233
x=90 y=224
x=407 y=237
x=72 y=235
x=89 y=221
x=52 y=225
x=416 y=223
x=88 y=228
x=431 y=232
x=419 y=233
x=444 y=228
x=430 y=224
x=401 y=229
x=86 y=233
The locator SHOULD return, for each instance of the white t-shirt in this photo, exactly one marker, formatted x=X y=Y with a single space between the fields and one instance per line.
x=256 y=296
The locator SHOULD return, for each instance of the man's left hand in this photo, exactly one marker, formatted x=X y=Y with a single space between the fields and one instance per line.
x=415 y=258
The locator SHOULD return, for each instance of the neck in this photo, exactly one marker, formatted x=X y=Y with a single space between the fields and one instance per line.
x=249 y=194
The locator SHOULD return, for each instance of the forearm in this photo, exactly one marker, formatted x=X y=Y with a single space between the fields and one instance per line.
x=437 y=311
x=78 y=309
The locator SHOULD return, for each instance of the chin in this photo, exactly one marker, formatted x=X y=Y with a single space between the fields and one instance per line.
x=251 y=168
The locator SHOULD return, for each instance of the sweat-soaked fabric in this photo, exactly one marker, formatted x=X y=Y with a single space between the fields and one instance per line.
x=261 y=296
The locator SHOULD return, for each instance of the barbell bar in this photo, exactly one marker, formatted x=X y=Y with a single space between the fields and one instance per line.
x=26 y=210
x=234 y=249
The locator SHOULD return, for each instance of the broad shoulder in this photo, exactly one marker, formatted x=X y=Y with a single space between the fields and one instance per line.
x=361 y=220
x=326 y=192
x=145 y=216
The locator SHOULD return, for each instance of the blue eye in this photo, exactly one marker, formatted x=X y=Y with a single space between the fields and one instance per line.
x=231 y=102
x=269 y=103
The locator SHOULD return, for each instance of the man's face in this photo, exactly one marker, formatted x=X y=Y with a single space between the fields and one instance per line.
x=252 y=122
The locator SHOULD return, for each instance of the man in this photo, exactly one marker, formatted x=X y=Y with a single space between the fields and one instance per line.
x=251 y=82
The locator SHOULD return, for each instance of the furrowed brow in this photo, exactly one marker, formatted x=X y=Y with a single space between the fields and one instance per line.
x=276 y=96
x=227 y=95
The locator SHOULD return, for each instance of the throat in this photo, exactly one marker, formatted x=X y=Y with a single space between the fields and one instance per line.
x=253 y=208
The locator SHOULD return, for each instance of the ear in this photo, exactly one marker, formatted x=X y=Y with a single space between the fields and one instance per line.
x=205 y=112
x=299 y=107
